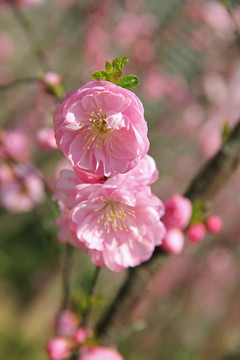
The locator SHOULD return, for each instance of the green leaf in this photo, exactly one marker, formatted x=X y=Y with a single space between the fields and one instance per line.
x=128 y=81
x=108 y=67
x=226 y=129
x=114 y=73
x=119 y=63
x=99 y=75
x=197 y=212
x=86 y=302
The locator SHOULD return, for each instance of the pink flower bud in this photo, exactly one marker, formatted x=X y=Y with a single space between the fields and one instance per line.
x=80 y=335
x=67 y=324
x=214 y=224
x=173 y=242
x=99 y=353
x=58 y=348
x=196 y=232
x=51 y=78
x=45 y=139
x=16 y=144
x=178 y=210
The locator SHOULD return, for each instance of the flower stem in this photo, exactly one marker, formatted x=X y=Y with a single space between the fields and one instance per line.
x=91 y=289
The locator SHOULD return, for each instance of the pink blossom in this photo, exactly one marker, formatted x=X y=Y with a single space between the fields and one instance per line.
x=145 y=173
x=15 y=144
x=45 y=139
x=67 y=324
x=178 y=210
x=120 y=223
x=214 y=224
x=100 y=128
x=99 y=353
x=196 y=232
x=117 y=222
x=58 y=349
x=22 y=193
x=216 y=16
x=64 y=193
x=81 y=335
x=173 y=241
x=51 y=78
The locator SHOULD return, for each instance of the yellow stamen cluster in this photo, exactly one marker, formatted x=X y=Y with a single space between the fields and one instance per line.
x=98 y=134
x=115 y=218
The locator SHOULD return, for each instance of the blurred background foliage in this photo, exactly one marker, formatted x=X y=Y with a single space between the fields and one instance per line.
x=190 y=310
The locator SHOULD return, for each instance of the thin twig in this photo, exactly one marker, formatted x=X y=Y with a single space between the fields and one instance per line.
x=204 y=186
x=30 y=35
x=91 y=290
x=17 y=82
x=66 y=272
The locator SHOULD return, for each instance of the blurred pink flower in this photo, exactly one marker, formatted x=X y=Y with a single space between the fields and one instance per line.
x=80 y=335
x=173 y=241
x=100 y=128
x=15 y=144
x=67 y=324
x=214 y=224
x=6 y=46
x=22 y=193
x=58 y=348
x=51 y=78
x=178 y=211
x=216 y=16
x=45 y=139
x=196 y=232
x=99 y=353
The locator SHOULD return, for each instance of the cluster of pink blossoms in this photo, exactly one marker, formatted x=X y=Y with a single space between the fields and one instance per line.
x=177 y=221
x=107 y=208
x=21 y=186
x=71 y=338
x=178 y=211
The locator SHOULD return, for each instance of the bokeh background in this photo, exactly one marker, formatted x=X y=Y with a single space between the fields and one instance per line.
x=186 y=55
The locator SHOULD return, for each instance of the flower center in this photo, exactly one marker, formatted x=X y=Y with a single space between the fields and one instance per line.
x=117 y=216
x=100 y=132
x=99 y=122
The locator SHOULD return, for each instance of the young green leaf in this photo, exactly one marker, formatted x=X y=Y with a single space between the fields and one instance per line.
x=99 y=75
x=108 y=67
x=128 y=81
x=226 y=130
x=119 y=63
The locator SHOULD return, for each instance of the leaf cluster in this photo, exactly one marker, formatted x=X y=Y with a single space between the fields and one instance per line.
x=114 y=73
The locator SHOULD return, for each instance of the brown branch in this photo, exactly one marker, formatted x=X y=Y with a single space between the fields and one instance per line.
x=217 y=171
x=204 y=186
